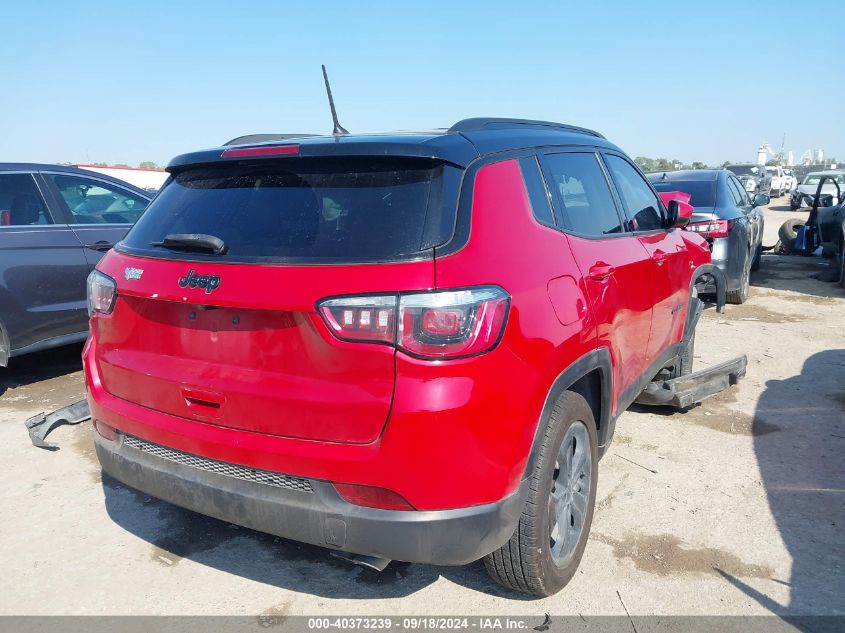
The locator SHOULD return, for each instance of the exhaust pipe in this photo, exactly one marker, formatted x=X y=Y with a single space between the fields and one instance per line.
x=371 y=562
x=376 y=563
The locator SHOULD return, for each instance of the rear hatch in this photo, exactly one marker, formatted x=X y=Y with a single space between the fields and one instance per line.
x=234 y=339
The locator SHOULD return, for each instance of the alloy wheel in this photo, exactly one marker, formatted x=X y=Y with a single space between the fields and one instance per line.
x=569 y=498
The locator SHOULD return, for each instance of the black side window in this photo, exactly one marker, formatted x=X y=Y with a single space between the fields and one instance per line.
x=582 y=194
x=20 y=201
x=644 y=208
x=731 y=197
x=740 y=193
x=96 y=202
x=537 y=194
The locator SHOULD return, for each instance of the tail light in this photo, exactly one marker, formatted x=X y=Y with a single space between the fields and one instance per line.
x=445 y=324
x=101 y=293
x=452 y=323
x=261 y=150
x=361 y=318
x=711 y=228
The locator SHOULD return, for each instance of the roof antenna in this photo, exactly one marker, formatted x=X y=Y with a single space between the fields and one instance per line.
x=339 y=130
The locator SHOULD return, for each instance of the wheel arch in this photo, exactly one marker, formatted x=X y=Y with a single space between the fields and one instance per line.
x=590 y=376
x=721 y=282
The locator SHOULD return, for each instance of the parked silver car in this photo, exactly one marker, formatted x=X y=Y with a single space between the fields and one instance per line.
x=802 y=196
x=727 y=217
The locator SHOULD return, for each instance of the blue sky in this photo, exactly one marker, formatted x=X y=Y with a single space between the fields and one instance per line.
x=122 y=82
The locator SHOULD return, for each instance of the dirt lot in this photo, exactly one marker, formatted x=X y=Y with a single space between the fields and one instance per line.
x=736 y=507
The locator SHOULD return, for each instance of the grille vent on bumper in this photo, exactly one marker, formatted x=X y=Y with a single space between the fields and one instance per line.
x=254 y=475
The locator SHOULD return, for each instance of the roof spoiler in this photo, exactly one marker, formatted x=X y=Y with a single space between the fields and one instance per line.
x=248 y=139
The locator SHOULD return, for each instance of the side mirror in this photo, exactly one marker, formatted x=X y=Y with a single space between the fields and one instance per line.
x=679 y=214
x=761 y=200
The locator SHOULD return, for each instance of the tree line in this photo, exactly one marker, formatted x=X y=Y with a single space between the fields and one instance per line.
x=144 y=164
x=667 y=164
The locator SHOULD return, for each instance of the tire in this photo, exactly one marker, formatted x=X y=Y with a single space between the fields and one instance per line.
x=526 y=563
x=789 y=231
x=740 y=296
x=758 y=256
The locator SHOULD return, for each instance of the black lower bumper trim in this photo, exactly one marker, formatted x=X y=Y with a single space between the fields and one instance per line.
x=319 y=517
x=41 y=425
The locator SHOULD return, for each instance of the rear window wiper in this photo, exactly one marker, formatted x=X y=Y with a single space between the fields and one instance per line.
x=193 y=243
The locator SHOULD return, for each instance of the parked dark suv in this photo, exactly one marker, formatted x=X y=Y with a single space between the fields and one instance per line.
x=755 y=178
x=55 y=224
x=409 y=346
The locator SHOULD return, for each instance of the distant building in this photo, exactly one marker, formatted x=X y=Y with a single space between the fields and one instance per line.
x=150 y=179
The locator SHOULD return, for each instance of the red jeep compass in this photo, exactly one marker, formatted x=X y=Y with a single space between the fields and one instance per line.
x=409 y=346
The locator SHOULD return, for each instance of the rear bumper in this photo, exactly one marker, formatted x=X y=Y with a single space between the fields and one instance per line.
x=728 y=255
x=307 y=510
x=459 y=433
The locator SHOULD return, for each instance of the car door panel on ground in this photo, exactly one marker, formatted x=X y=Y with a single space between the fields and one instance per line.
x=100 y=212
x=668 y=275
x=42 y=265
x=612 y=263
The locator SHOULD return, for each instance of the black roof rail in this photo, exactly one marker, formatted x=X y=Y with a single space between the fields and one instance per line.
x=264 y=138
x=480 y=123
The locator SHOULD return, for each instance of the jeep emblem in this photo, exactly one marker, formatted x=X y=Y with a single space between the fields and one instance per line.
x=133 y=273
x=193 y=280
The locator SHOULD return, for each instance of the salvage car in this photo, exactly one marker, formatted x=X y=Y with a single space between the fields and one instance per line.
x=832 y=225
x=55 y=224
x=730 y=221
x=802 y=196
x=780 y=181
x=409 y=346
x=830 y=220
x=754 y=178
x=791 y=180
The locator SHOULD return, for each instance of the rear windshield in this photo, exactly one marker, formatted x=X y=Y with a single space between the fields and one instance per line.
x=745 y=170
x=302 y=209
x=813 y=179
x=702 y=192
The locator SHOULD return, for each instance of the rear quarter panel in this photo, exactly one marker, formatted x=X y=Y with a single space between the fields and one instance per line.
x=532 y=262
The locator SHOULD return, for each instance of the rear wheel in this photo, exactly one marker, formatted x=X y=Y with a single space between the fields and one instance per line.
x=546 y=547
x=758 y=255
x=740 y=295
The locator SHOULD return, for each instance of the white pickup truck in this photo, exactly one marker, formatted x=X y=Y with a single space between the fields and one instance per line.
x=792 y=181
x=780 y=180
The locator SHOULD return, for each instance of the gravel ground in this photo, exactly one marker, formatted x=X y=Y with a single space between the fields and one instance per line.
x=735 y=507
